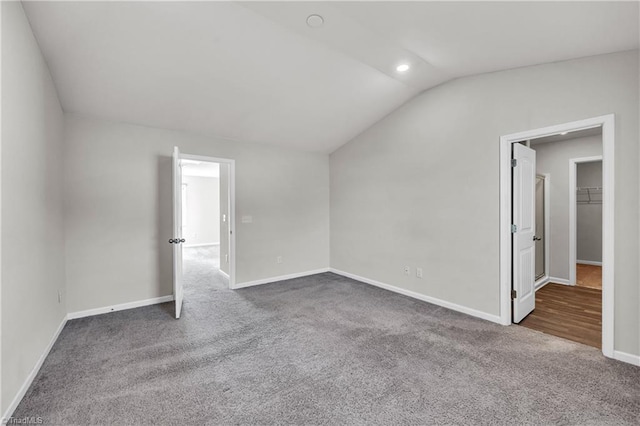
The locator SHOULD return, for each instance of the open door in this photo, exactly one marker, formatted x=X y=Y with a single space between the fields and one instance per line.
x=177 y=239
x=523 y=231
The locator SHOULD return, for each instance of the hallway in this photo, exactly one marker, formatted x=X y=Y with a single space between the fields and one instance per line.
x=201 y=269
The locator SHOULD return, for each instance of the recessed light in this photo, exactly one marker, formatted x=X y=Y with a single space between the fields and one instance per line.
x=402 y=68
x=315 y=21
x=563 y=133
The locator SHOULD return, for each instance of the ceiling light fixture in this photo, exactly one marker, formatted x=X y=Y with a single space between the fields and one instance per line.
x=315 y=21
x=402 y=68
x=563 y=133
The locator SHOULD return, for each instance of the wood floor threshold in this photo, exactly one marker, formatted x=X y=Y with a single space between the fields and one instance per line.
x=570 y=312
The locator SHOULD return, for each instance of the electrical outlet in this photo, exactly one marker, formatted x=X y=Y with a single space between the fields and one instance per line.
x=279 y=259
x=59 y=296
x=419 y=272
x=226 y=258
x=407 y=270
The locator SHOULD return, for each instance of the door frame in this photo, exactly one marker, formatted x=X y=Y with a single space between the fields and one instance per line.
x=232 y=207
x=547 y=220
x=607 y=122
x=573 y=212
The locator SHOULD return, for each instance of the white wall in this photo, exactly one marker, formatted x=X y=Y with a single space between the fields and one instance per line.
x=553 y=158
x=32 y=225
x=437 y=203
x=118 y=210
x=589 y=215
x=202 y=212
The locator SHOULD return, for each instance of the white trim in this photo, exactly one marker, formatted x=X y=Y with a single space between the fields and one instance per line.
x=573 y=214
x=608 y=235
x=625 y=357
x=120 y=307
x=223 y=273
x=232 y=224
x=232 y=207
x=32 y=375
x=419 y=296
x=607 y=122
x=589 y=262
x=200 y=245
x=205 y=158
x=541 y=283
x=547 y=227
x=1 y=218
x=562 y=281
x=280 y=278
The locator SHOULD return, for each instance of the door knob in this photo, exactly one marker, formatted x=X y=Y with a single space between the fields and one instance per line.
x=536 y=238
x=182 y=240
x=171 y=241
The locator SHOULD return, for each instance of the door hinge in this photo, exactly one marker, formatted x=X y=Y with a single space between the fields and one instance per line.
x=514 y=294
x=514 y=228
x=514 y=162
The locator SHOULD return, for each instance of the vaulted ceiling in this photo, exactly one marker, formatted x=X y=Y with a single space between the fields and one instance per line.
x=255 y=71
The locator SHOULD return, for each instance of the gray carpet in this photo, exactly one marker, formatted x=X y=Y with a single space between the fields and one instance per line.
x=321 y=350
x=200 y=268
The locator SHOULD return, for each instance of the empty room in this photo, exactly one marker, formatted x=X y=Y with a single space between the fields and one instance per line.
x=229 y=212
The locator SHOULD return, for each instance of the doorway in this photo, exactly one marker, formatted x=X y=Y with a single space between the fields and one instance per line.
x=519 y=270
x=203 y=229
x=585 y=220
x=203 y=211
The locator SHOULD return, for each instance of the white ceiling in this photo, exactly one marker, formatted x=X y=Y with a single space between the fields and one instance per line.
x=567 y=136
x=256 y=72
x=200 y=169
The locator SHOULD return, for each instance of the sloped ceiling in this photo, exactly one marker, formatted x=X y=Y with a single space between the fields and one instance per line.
x=254 y=71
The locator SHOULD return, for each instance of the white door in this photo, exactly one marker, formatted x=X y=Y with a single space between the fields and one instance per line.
x=177 y=239
x=524 y=220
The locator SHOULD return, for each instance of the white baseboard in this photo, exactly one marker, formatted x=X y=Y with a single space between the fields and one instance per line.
x=424 y=298
x=280 y=278
x=625 y=357
x=200 y=245
x=120 y=307
x=589 y=262
x=541 y=283
x=32 y=375
x=560 y=281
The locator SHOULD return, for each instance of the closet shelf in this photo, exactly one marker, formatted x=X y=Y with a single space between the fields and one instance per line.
x=589 y=195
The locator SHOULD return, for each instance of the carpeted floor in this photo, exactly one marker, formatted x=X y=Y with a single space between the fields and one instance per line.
x=321 y=350
x=200 y=268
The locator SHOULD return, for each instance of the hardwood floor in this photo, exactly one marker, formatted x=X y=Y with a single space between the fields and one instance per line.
x=589 y=276
x=571 y=312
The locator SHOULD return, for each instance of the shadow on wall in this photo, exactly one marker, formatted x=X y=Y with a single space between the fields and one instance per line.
x=164 y=221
